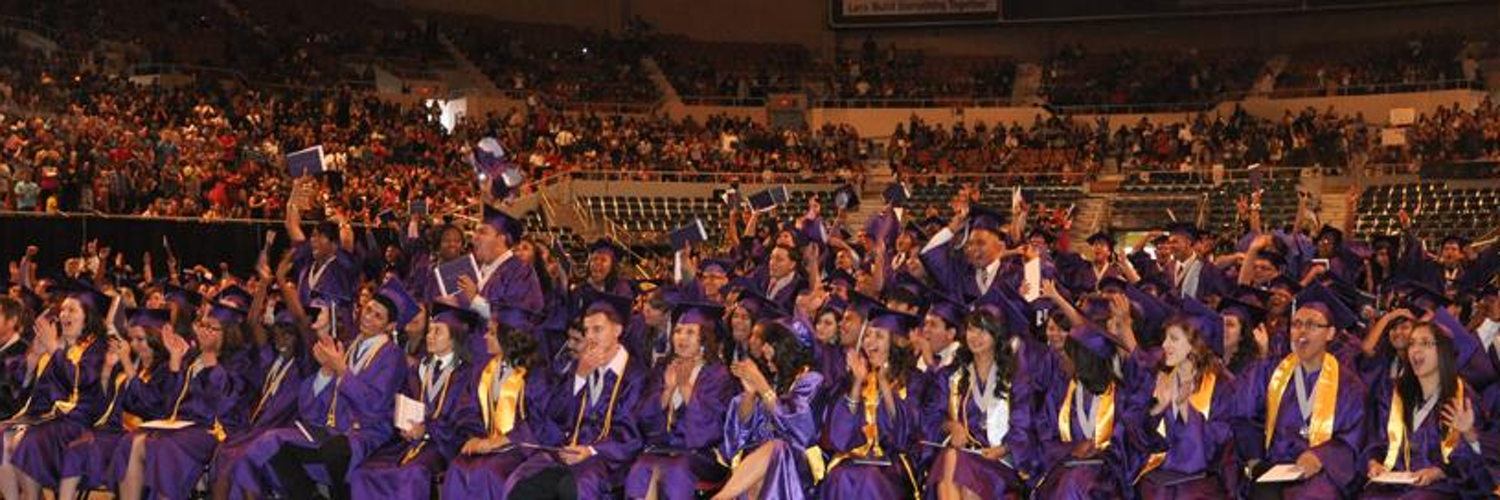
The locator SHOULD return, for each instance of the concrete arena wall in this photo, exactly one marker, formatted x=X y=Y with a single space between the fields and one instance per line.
x=881 y=122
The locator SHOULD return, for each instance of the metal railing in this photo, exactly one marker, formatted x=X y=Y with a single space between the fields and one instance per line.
x=1372 y=88
x=912 y=102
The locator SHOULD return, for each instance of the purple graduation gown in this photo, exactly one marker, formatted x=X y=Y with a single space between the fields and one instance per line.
x=1340 y=454
x=340 y=279
x=899 y=433
x=1081 y=481
x=404 y=469
x=90 y=457
x=39 y=454
x=1192 y=446
x=792 y=426
x=683 y=451
x=174 y=459
x=972 y=472
x=12 y=374
x=364 y=410
x=489 y=477
x=275 y=406
x=584 y=423
x=1465 y=468
x=515 y=284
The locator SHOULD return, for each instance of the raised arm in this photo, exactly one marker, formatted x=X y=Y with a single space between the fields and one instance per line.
x=294 y=217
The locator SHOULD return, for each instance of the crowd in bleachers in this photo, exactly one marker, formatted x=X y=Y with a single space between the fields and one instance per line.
x=1075 y=76
x=873 y=73
x=1380 y=66
x=557 y=65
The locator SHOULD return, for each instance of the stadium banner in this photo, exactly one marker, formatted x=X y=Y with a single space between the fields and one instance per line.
x=864 y=13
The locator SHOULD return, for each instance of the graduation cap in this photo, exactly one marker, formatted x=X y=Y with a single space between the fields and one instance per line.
x=1154 y=281
x=235 y=297
x=604 y=245
x=721 y=266
x=839 y=277
x=861 y=304
x=1045 y=235
x=982 y=218
x=835 y=304
x=1248 y=313
x=703 y=314
x=184 y=298
x=1093 y=339
x=503 y=223
x=882 y=227
x=491 y=165
x=1207 y=321
x=1321 y=298
x=1185 y=229
x=1101 y=237
x=1465 y=343
x=227 y=314
x=907 y=292
x=30 y=300
x=92 y=299
x=801 y=331
x=617 y=307
x=460 y=321
x=396 y=300
x=148 y=318
x=760 y=307
x=949 y=310
x=283 y=316
x=1456 y=239
x=896 y=194
x=1327 y=231
x=1113 y=282
x=845 y=198
x=1386 y=241
x=513 y=317
x=1285 y=282
x=1423 y=295
x=690 y=234
x=898 y=323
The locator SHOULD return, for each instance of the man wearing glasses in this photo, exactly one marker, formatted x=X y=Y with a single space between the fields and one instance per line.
x=1302 y=423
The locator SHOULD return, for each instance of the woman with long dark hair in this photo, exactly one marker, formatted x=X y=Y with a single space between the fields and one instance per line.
x=684 y=419
x=987 y=413
x=1383 y=352
x=132 y=382
x=1425 y=427
x=1080 y=429
x=875 y=423
x=1245 y=340
x=1183 y=429
x=509 y=390
x=167 y=456
x=65 y=363
x=771 y=431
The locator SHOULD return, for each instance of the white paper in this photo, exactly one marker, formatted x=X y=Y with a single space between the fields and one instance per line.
x=169 y=425
x=409 y=412
x=1281 y=474
x=1033 y=278
x=1392 y=477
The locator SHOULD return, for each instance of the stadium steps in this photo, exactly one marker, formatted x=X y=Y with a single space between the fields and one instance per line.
x=1267 y=81
x=1028 y=84
x=469 y=73
x=659 y=79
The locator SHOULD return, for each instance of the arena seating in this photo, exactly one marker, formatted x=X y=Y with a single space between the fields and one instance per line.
x=1436 y=209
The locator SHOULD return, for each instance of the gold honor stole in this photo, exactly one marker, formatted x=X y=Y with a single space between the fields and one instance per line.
x=75 y=356
x=436 y=412
x=1395 y=432
x=500 y=416
x=1104 y=423
x=1202 y=401
x=333 y=400
x=870 y=394
x=1325 y=399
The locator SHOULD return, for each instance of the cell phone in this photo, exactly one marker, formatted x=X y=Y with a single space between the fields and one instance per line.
x=1321 y=262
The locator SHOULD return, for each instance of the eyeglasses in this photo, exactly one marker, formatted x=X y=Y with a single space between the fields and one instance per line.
x=1308 y=325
